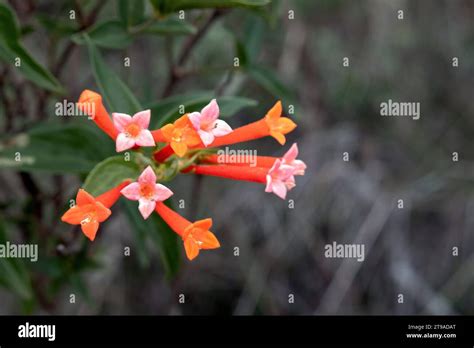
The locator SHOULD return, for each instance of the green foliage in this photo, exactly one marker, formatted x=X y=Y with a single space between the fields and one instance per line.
x=110 y=173
x=268 y=80
x=166 y=241
x=131 y=12
x=169 y=26
x=56 y=148
x=77 y=146
x=14 y=274
x=169 y=6
x=11 y=51
x=114 y=91
x=109 y=34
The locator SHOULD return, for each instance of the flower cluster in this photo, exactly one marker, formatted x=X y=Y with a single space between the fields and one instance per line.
x=190 y=134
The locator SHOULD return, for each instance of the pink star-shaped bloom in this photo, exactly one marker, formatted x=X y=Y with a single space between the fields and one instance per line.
x=132 y=130
x=147 y=192
x=207 y=124
x=280 y=179
x=289 y=158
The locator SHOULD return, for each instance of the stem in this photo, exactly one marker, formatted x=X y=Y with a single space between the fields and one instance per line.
x=174 y=76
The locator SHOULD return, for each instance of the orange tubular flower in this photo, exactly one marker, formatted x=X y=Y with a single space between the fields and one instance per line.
x=91 y=103
x=254 y=174
x=196 y=236
x=181 y=135
x=89 y=212
x=262 y=161
x=158 y=136
x=272 y=124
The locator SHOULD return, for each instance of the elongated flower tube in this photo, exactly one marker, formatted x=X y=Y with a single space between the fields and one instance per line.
x=272 y=124
x=253 y=174
x=259 y=161
x=279 y=179
x=195 y=235
x=91 y=103
x=89 y=212
x=289 y=158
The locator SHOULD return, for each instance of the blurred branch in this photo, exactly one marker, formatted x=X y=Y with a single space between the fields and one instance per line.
x=189 y=45
x=8 y=106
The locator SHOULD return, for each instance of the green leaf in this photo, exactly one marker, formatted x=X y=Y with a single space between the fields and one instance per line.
x=140 y=234
x=9 y=29
x=230 y=105
x=131 y=12
x=167 y=110
x=166 y=241
x=168 y=6
x=12 y=52
x=55 y=26
x=14 y=274
x=110 y=34
x=253 y=37
x=110 y=173
x=267 y=79
x=56 y=148
x=114 y=91
x=170 y=26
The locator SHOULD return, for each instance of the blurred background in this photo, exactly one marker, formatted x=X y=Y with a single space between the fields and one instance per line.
x=248 y=54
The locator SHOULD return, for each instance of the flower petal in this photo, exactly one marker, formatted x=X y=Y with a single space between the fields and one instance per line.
x=147 y=176
x=268 y=187
x=179 y=148
x=209 y=113
x=102 y=212
x=83 y=197
x=279 y=137
x=162 y=193
x=279 y=188
x=204 y=224
x=299 y=167
x=145 y=138
x=121 y=120
x=275 y=111
x=73 y=216
x=206 y=137
x=142 y=118
x=90 y=229
x=221 y=128
x=167 y=131
x=182 y=122
x=291 y=154
x=146 y=207
x=209 y=240
x=191 y=248
x=123 y=142
x=286 y=125
x=195 y=118
x=285 y=171
x=132 y=191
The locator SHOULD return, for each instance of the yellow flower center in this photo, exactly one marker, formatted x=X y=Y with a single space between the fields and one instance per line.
x=133 y=130
x=177 y=135
x=147 y=190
